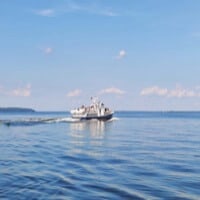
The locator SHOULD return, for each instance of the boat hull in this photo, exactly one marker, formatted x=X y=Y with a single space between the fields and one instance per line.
x=101 y=118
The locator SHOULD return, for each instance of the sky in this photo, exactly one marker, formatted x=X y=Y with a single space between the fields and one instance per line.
x=131 y=54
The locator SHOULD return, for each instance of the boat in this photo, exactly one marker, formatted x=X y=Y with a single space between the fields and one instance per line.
x=96 y=110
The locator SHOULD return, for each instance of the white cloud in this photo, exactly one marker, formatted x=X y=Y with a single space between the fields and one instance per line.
x=17 y=92
x=48 y=50
x=92 y=8
x=74 y=93
x=46 y=12
x=155 y=90
x=177 y=92
x=109 y=13
x=181 y=92
x=74 y=7
x=21 y=92
x=112 y=90
x=121 y=54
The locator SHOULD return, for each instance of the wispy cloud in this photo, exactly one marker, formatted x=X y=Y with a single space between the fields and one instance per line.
x=155 y=90
x=108 y=13
x=112 y=90
x=122 y=53
x=22 y=92
x=76 y=7
x=92 y=8
x=177 y=92
x=48 y=50
x=74 y=93
x=46 y=12
x=17 y=92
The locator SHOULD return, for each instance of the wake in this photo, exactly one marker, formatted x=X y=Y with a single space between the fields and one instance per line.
x=38 y=121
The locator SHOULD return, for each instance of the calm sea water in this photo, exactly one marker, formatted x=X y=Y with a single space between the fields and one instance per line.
x=137 y=155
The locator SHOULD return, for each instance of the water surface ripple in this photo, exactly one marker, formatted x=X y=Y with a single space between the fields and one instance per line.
x=131 y=157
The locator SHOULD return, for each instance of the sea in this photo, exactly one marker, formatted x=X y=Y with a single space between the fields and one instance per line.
x=135 y=155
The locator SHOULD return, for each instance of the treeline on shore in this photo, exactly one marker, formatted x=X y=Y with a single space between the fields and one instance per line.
x=16 y=109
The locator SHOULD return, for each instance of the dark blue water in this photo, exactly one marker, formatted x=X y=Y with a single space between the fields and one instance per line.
x=137 y=155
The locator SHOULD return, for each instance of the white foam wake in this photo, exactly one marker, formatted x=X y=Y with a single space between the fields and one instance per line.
x=113 y=119
x=35 y=121
x=65 y=119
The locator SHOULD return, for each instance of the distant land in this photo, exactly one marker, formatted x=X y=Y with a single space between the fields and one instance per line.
x=16 y=109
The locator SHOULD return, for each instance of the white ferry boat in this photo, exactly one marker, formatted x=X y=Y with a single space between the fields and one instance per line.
x=96 y=110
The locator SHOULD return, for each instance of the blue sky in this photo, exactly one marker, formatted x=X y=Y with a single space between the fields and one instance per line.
x=132 y=54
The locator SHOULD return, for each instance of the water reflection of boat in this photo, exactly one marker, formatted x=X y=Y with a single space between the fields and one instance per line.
x=96 y=128
x=96 y=110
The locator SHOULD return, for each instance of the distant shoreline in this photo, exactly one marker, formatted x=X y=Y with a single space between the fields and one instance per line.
x=30 y=110
x=16 y=109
